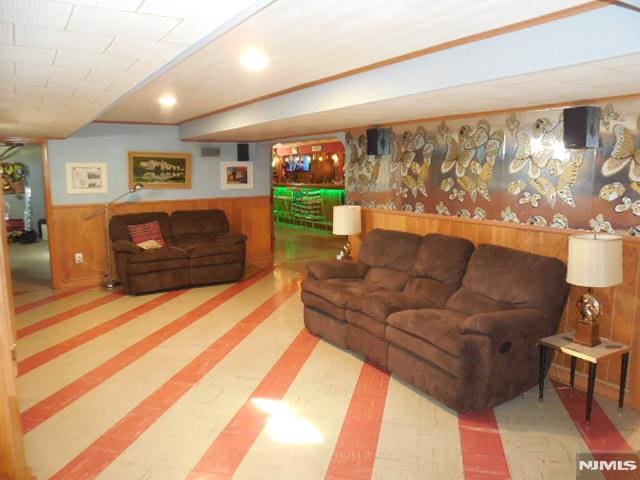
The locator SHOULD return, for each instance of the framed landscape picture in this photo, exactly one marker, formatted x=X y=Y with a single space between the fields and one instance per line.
x=160 y=169
x=236 y=175
x=86 y=177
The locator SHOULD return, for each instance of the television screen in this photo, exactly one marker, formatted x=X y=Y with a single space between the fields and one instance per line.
x=298 y=163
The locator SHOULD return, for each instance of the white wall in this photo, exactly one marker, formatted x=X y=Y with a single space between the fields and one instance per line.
x=110 y=143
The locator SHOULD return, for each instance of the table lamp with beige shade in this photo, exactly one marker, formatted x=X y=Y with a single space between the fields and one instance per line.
x=347 y=220
x=595 y=261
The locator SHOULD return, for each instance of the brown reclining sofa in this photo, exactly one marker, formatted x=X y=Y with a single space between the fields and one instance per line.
x=199 y=250
x=459 y=323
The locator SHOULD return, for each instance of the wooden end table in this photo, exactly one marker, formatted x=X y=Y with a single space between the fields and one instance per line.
x=564 y=343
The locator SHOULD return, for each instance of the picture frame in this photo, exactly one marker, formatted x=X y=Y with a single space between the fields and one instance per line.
x=160 y=169
x=86 y=178
x=236 y=175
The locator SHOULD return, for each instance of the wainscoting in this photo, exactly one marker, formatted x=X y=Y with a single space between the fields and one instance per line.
x=70 y=232
x=621 y=305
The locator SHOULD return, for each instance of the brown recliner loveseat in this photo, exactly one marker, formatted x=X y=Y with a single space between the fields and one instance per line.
x=459 y=323
x=198 y=250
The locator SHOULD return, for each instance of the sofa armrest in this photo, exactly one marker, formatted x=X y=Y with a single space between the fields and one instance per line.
x=505 y=324
x=326 y=269
x=125 y=246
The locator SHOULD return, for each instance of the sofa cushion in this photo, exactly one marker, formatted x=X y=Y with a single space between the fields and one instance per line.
x=157 y=254
x=435 y=292
x=196 y=250
x=143 y=232
x=442 y=258
x=440 y=327
x=470 y=302
x=319 y=304
x=386 y=278
x=118 y=225
x=389 y=249
x=365 y=322
x=521 y=279
x=381 y=304
x=338 y=291
x=158 y=266
x=185 y=222
x=220 y=259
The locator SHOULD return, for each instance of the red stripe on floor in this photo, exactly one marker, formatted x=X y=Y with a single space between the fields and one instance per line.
x=101 y=453
x=483 y=455
x=601 y=435
x=355 y=451
x=50 y=299
x=40 y=358
x=48 y=407
x=67 y=314
x=222 y=458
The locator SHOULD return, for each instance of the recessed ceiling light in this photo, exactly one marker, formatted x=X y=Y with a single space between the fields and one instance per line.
x=167 y=101
x=254 y=59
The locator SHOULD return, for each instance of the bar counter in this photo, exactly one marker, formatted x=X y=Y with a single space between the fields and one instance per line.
x=306 y=203
x=322 y=186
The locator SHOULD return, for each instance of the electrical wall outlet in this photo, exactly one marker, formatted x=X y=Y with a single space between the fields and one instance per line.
x=79 y=258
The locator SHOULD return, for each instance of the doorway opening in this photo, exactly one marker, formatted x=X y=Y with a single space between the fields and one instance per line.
x=308 y=181
x=26 y=215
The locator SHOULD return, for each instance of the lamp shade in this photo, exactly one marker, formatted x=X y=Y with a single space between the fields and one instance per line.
x=347 y=220
x=595 y=260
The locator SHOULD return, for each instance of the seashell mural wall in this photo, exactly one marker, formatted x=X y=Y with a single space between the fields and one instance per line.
x=508 y=167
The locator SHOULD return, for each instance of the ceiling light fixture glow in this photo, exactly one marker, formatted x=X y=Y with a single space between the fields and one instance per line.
x=254 y=59
x=167 y=101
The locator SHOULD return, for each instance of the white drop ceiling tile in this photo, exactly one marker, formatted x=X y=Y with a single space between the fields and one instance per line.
x=69 y=58
x=36 y=12
x=148 y=49
x=142 y=68
x=86 y=89
x=6 y=33
x=31 y=80
x=67 y=75
x=6 y=67
x=126 y=5
x=30 y=36
x=29 y=91
x=112 y=22
x=188 y=32
x=27 y=55
x=215 y=12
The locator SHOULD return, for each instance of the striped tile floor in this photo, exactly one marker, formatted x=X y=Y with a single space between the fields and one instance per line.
x=224 y=382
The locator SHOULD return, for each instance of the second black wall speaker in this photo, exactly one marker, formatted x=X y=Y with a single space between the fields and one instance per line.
x=378 y=141
x=581 y=127
x=243 y=152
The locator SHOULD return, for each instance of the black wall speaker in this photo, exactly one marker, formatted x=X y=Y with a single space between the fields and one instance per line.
x=581 y=127
x=243 y=152
x=378 y=141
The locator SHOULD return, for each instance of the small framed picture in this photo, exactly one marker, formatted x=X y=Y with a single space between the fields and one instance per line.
x=236 y=175
x=87 y=178
x=160 y=169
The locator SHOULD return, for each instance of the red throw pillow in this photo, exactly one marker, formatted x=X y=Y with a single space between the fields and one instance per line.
x=145 y=232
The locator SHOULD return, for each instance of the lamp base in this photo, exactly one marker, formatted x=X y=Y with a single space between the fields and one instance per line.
x=345 y=253
x=587 y=334
x=588 y=327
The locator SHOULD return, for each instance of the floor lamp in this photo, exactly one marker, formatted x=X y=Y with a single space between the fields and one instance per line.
x=108 y=280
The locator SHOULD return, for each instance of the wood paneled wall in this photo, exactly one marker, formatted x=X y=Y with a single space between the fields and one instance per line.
x=621 y=305
x=71 y=231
